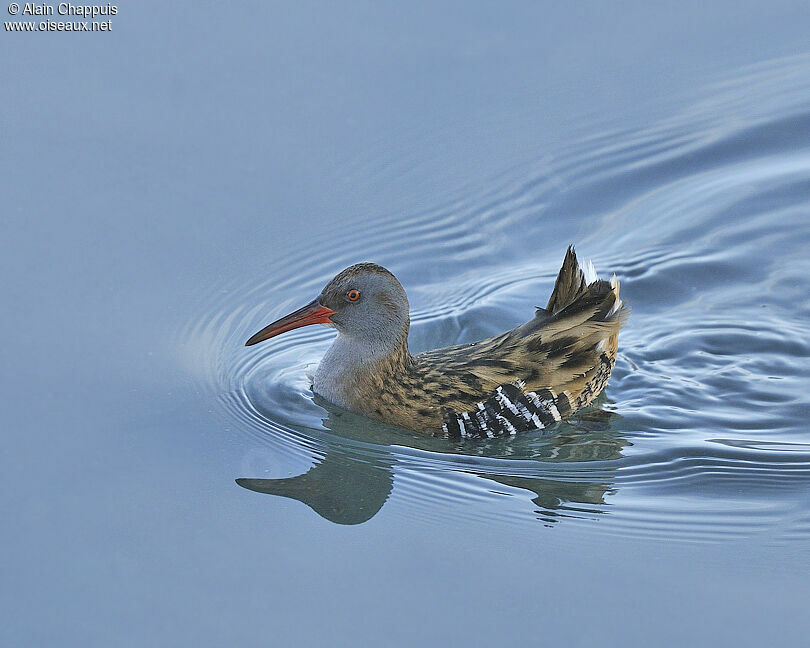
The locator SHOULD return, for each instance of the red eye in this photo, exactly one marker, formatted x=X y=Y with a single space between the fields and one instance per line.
x=353 y=295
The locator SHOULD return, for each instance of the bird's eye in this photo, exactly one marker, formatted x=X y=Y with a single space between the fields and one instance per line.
x=353 y=295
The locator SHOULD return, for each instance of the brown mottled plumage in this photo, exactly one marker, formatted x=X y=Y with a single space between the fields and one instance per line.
x=529 y=377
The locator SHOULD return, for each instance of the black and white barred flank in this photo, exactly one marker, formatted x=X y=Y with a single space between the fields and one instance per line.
x=508 y=411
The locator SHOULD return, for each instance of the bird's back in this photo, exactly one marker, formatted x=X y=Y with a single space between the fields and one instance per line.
x=526 y=378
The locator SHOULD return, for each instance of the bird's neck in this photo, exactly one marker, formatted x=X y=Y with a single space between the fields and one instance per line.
x=354 y=368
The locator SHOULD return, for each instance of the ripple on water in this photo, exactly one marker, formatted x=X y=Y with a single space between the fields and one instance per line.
x=702 y=434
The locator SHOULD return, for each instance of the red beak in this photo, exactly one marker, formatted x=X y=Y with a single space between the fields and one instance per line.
x=312 y=313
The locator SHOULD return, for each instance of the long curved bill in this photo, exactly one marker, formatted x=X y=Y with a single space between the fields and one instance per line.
x=312 y=313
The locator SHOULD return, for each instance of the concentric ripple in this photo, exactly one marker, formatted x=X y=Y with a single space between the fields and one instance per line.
x=702 y=434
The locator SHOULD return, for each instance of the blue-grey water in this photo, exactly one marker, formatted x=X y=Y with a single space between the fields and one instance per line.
x=173 y=185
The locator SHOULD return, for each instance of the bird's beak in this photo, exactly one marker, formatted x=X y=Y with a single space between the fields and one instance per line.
x=312 y=313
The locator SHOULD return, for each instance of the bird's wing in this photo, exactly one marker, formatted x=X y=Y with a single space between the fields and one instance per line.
x=573 y=350
x=561 y=359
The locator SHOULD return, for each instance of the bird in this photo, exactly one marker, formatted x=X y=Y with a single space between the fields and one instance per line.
x=528 y=378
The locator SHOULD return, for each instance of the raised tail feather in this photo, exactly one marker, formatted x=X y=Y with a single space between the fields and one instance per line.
x=571 y=283
x=579 y=291
x=580 y=288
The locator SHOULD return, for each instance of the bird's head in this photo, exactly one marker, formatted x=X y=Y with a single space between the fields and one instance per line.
x=364 y=301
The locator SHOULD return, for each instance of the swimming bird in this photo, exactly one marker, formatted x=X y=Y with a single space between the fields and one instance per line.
x=528 y=378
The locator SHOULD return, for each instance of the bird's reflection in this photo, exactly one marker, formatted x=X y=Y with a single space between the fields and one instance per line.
x=339 y=488
x=349 y=485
